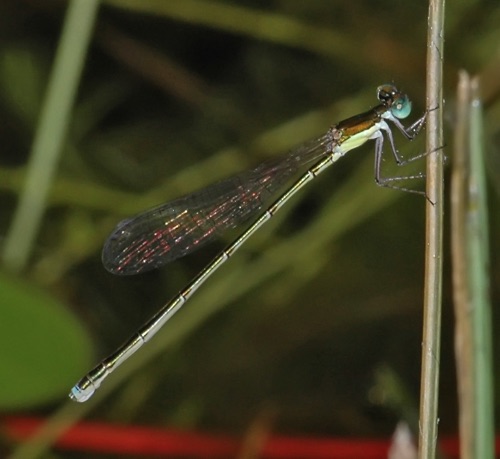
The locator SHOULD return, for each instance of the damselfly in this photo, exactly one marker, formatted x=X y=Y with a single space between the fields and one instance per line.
x=174 y=229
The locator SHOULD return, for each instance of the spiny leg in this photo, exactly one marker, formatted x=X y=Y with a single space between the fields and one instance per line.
x=388 y=182
x=410 y=133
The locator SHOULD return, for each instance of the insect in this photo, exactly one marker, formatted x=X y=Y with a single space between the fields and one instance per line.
x=177 y=228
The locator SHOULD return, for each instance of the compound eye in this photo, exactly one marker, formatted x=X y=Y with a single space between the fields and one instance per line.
x=401 y=106
x=386 y=93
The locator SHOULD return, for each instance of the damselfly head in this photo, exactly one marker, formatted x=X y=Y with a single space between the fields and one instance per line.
x=397 y=101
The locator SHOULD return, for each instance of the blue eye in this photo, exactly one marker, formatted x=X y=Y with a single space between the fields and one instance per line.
x=401 y=106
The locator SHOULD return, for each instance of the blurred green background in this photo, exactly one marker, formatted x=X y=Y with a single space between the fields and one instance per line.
x=318 y=317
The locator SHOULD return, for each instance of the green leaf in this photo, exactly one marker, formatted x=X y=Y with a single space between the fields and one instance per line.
x=44 y=349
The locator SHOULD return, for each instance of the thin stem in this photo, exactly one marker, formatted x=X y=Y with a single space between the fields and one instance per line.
x=434 y=237
x=51 y=131
x=478 y=279
x=461 y=288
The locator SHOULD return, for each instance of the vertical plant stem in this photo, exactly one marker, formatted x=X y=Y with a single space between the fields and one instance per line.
x=461 y=291
x=478 y=262
x=470 y=250
x=434 y=236
x=51 y=131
